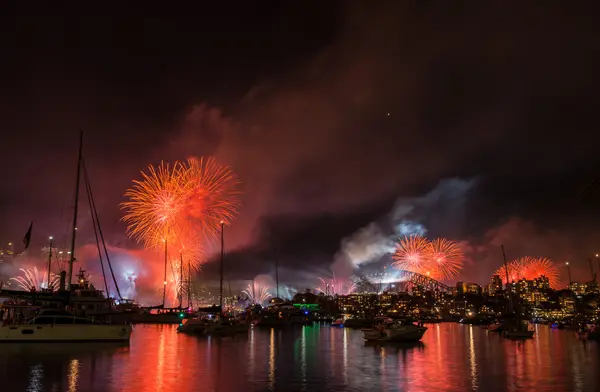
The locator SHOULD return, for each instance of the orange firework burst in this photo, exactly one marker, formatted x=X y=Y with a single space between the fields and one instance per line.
x=439 y=259
x=154 y=204
x=530 y=268
x=212 y=196
x=183 y=204
x=444 y=259
x=411 y=253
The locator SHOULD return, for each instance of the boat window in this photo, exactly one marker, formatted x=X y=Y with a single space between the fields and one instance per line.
x=27 y=331
x=59 y=320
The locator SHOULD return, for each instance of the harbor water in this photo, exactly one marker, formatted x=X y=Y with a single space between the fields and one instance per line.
x=452 y=357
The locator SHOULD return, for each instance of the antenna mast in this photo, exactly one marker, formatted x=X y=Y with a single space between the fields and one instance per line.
x=74 y=226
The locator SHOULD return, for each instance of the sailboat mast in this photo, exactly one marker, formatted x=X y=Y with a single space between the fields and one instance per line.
x=277 y=276
x=165 y=281
x=180 y=279
x=74 y=226
x=50 y=261
x=507 y=278
x=222 y=257
x=189 y=284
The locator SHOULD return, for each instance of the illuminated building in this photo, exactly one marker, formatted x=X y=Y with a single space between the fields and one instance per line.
x=473 y=288
x=495 y=285
x=577 y=288
x=461 y=288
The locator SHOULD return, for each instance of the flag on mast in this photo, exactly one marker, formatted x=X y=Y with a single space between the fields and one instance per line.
x=27 y=238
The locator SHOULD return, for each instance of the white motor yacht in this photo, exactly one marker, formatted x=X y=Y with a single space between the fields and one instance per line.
x=63 y=328
x=396 y=331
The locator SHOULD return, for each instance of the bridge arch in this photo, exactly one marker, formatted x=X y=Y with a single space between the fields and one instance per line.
x=378 y=282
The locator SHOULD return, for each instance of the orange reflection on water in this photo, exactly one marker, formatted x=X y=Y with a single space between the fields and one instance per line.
x=452 y=358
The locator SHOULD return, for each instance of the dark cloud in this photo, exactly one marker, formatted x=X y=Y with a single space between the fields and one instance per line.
x=505 y=92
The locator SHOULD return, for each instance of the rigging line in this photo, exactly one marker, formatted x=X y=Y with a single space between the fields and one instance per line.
x=94 y=223
x=95 y=212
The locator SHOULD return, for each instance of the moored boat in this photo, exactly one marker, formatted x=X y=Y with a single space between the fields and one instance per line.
x=394 y=331
x=63 y=327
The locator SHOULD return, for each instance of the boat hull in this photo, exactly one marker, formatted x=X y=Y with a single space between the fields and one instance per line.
x=518 y=334
x=65 y=333
x=405 y=334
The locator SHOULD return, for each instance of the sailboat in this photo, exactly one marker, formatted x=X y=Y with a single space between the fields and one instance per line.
x=213 y=321
x=159 y=314
x=516 y=326
x=59 y=324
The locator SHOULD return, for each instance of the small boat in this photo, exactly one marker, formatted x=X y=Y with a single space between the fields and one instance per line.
x=226 y=327
x=357 y=322
x=588 y=331
x=395 y=331
x=63 y=328
x=338 y=323
x=519 y=329
x=211 y=324
x=518 y=334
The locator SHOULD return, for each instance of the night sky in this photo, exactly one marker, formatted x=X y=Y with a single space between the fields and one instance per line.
x=331 y=113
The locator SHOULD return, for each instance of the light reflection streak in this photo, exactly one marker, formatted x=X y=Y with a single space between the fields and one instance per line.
x=303 y=356
x=160 y=364
x=272 y=360
x=35 y=378
x=73 y=375
x=472 y=360
x=251 y=354
x=345 y=356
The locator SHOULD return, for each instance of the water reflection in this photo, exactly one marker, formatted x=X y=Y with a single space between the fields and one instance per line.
x=472 y=360
x=452 y=357
x=73 y=375
x=272 y=360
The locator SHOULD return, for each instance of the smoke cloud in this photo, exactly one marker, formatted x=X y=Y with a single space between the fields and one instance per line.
x=409 y=216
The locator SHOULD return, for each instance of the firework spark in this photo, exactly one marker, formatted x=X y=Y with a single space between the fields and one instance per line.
x=336 y=287
x=212 y=196
x=32 y=279
x=439 y=259
x=154 y=204
x=444 y=259
x=182 y=204
x=411 y=253
x=530 y=268
x=257 y=293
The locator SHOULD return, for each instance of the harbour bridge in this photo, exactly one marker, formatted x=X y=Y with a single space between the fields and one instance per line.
x=398 y=280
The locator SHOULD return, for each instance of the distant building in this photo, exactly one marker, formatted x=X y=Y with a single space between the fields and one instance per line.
x=577 y=288
x=495 y=285
x=541 y=283
x=461 y=288
x=473 y=288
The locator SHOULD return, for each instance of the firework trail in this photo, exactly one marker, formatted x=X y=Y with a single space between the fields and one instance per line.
x=257 y=294
x=336 y=287
x=182 y=204
x=32 y=279
x=530 y=268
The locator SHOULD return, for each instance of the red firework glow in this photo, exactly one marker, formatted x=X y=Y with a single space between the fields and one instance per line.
x=439 y=259
x=530 y=268
x=182 y=204
x=410 y=253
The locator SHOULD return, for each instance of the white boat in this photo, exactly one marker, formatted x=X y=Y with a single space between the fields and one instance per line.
x=398 y=331
x=64 y=328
